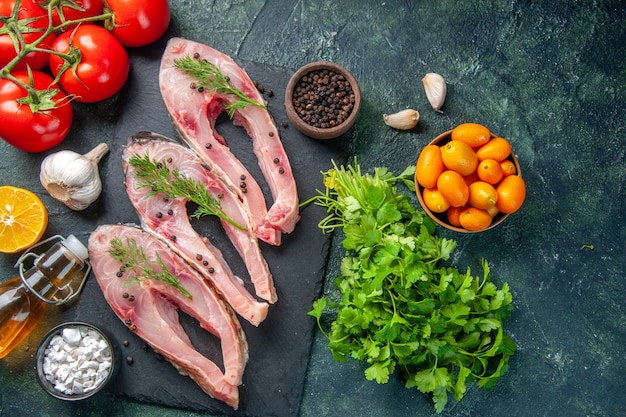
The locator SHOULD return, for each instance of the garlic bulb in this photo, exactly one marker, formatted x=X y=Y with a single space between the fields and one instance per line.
x=72 y=178
x=435 y=87
x=403 y=120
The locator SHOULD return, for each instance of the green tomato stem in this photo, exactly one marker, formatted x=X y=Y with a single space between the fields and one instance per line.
x=24 y=48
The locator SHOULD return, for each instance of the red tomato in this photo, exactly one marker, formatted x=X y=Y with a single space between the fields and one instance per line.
x=28 y=10
x=103 y=66
x=28 y=131
x=139 y=22
x=90 y=8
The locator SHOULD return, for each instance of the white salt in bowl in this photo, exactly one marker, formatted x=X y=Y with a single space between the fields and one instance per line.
x=76 y=360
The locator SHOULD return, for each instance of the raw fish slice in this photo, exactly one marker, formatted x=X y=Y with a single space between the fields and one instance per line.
x=176 y=156
x=151 y=311
x=194 y=114
x=167 y=218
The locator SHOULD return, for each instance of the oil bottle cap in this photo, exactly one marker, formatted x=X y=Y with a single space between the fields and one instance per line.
x=76 y=246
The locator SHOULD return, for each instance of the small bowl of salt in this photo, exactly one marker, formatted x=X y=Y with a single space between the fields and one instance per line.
x=75 y=360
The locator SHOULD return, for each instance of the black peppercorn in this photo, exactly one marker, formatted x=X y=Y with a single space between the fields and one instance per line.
x=319 y=98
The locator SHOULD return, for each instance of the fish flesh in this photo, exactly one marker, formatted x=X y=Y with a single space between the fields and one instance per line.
x=194 y=113
x=175 y=156
x=149 y=309
x=168 y=219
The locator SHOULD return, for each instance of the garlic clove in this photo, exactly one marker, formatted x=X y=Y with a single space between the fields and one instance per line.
x=436 y=90
x=72 y=178
x=402 y=120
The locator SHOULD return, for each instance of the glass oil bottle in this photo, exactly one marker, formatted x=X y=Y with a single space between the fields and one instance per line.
x=53 y=277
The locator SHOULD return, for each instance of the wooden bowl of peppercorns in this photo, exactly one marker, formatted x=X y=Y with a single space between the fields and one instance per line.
x=322 y=100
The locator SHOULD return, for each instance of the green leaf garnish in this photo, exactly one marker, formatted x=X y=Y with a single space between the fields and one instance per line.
x=399 y=306
x=134 y=259
x=158 y=177
x=209 y=76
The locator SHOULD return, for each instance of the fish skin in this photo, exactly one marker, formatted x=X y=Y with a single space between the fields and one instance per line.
x=151 y=312
x=175 y=228
x=161 y=148
x=194 y=113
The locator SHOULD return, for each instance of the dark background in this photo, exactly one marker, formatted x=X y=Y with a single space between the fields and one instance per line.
x=549 y=76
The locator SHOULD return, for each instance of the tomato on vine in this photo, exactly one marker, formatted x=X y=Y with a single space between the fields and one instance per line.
x=36 y=118
x=28 y=22
x=138 y=22
x=95 y=67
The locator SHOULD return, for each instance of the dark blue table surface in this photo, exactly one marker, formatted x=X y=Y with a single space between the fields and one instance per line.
x=549 y=76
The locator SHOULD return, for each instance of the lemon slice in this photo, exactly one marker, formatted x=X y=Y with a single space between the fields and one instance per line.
x=23 y=219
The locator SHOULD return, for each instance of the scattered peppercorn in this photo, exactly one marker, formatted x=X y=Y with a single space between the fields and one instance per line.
x=173 y=238
x=269 y=93
x=271 y=134
x=208 y=146
x=159 y=215
x=199 y=257
x=131 y=298
x=126 y=343
x=323 y=98
x=129 y=360
x=119 y=274
x=281 y=170
x=205 y=263
x=211 y=270
x=125 y=295
x=285 y=125
x=276 y=160
x=170 y=212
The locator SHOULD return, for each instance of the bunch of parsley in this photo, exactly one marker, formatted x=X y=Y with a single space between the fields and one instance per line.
x=401 y=308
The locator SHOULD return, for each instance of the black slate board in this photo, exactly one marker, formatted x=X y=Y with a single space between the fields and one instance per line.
x=279 y=348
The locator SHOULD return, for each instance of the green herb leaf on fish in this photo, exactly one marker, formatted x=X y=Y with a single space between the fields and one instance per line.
x=160 y=179
x=133 y=258
x=400 y=307
x=209 y=76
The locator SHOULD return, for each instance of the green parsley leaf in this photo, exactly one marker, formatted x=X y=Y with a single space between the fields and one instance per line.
x=401 y=308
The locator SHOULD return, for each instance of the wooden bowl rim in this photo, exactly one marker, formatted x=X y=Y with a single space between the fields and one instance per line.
x=440 y=140
x=316 y=132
